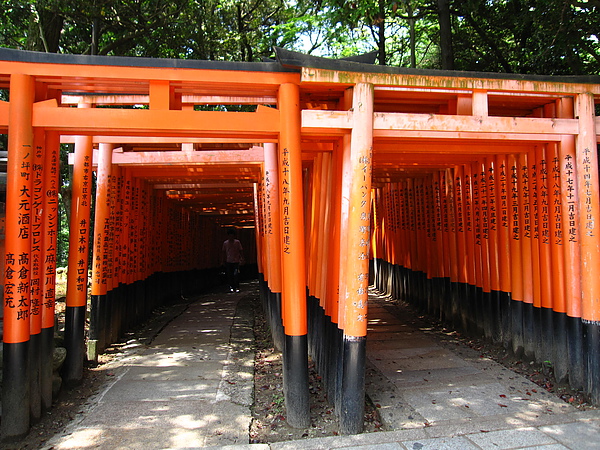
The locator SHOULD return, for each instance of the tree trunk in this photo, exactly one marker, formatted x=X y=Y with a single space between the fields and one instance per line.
x=51 y=25
x=445 y=34
x=95 y=36
x=381 y=34
x=411 y=35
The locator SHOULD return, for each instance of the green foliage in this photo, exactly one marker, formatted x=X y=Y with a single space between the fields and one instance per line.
x=528 y=36
x=521 y=36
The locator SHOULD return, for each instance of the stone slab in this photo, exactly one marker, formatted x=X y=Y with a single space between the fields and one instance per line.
x=580 y=435
x=180 y=356
x=128 y=391
x=512 y=439
x=443 y=443
x=188 y=371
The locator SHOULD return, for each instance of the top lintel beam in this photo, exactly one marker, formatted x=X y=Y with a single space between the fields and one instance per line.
x=137 y=74
x=312 y=75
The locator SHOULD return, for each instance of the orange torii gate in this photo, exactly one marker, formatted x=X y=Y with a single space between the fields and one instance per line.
x=474 y=196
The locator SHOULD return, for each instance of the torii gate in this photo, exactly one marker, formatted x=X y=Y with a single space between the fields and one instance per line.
x=335 y=156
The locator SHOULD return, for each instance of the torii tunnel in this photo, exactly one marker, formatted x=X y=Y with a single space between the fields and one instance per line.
x=473 y=196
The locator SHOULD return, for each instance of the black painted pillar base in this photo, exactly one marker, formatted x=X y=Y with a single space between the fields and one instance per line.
x=96 y=325
x=47 y=350
x=15 y=391
x=331 y=353
x=537 y=334
x=516 y=325
x=108 y=318
x=334 y=389
x=295 y=381
x=451 y=301
x=263 y=292
x=470 y=309
x=477 y=322
x=528 y=332
x=352 y=407
x=74 y=343
x=547 y=335
x=575 y=349
x=486 y=314
x=495 y=317
x=277 y=322
x=560 y=360
x=102 y=322
x=35 y=381
x=592 y=345
x=139 y=302
x=504 y=304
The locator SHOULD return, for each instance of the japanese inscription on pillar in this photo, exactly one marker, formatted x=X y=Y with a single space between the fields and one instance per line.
x=587 y=193
x=476 y=207
x=37 y=222
x=364 y=232
x=285 y=201
x=83 y=231
x=504 y=220
x=50 y=230
x=491 y=189
x=514 y=195
x=17 y=266
x=557 y=204
x=544 y=206
x=526 y=198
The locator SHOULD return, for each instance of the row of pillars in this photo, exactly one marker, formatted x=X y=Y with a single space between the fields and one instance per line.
x=313 y=232
x=506 y=247
x=147 y=251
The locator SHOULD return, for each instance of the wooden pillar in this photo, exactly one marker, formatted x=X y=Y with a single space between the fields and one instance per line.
x=569 y=236
x=557 y=247
x=357 y=261
x=589 y=216
x=77 y=276
x=51 y=180
x=295 y=354
x=274 y=240
x=526 y=273
x=516 y=226
x=36 y=291
x=504 y=201
x=15 y=381
x=102 y=241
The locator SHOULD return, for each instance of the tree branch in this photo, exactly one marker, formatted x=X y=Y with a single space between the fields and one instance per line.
x=490 y=43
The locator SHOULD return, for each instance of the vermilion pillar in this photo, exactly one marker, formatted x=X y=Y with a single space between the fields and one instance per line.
x=566 y=214
x=51 y=176
x=357 y=261
x=503 y=199
x=273 y=241
x=15 y=381
x=101 y=243
x=589 y=215
x=36 y=292
x=77 y=276
x=295 y=354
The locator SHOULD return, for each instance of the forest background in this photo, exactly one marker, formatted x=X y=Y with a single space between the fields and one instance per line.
x=553 y=37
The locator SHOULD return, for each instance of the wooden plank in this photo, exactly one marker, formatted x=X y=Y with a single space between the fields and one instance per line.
x=263 y=122
x=446 y=123
x=313 y=75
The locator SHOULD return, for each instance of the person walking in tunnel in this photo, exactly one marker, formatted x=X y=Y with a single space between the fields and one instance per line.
x=232 y=257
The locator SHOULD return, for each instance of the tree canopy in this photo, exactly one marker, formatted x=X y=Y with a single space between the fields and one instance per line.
x=514 y=36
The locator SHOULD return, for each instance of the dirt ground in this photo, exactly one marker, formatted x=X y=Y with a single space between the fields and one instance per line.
x=268 y=411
